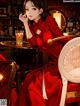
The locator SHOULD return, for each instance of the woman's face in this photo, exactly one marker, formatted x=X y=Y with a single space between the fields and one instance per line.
x=32 y=12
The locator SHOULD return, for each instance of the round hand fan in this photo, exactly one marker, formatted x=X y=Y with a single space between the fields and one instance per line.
x=69 y=60
x=69 y=65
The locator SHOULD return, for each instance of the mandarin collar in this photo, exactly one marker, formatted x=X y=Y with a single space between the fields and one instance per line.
x=38 y=22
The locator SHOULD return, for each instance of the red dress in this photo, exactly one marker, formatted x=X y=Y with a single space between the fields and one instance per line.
x=31 y=91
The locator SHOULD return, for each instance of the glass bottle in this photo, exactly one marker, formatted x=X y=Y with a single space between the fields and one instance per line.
x=10 y=29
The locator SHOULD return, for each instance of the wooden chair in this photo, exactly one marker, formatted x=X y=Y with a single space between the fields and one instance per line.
x=69 y=67
x=7 y=74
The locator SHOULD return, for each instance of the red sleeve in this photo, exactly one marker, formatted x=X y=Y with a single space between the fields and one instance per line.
x=56 y=30
x=47 y=35
x=53 y=26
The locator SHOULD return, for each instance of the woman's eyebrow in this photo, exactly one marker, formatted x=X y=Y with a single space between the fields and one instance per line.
x=33 y=6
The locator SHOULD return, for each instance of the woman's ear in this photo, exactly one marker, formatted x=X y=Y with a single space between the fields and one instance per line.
x=41 y=11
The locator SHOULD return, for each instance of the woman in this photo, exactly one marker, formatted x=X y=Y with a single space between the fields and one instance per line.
x=42 y=86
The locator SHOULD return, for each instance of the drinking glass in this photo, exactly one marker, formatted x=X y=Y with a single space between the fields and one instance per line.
x=19 y=37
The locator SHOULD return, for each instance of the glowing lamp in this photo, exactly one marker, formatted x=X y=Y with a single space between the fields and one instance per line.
x=1 y=77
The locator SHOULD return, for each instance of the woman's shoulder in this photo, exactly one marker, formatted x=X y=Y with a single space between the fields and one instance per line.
x=50 y=18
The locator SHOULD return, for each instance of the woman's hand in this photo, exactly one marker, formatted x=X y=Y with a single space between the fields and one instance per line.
x=23 y=18
x=50 y=41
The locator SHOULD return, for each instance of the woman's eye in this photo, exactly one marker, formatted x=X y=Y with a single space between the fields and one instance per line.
x=26 y=9
x=34 y=8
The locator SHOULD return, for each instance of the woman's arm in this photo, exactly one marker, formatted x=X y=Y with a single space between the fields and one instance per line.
x=56 y=31
x=24 y=19
x=53 y=26
x=29 y=32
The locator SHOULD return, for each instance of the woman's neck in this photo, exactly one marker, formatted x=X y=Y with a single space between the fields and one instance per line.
x=37 y=19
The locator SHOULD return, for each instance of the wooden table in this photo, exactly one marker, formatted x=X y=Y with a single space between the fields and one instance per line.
x=12 y=44
x=21 y=54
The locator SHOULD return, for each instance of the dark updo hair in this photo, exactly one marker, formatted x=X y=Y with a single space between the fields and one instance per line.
x=40 y=4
